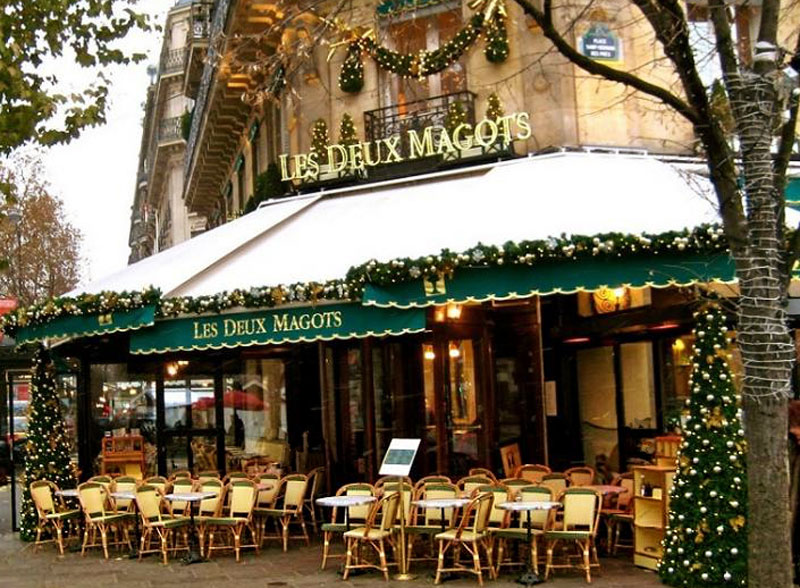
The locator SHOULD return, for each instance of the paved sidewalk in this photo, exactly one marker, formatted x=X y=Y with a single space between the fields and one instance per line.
x=21 y=568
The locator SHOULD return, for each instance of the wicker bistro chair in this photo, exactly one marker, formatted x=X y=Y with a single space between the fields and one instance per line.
x=408 y=496
x=556 y=481
x=427 y=522
x=470 y=483
x=472 y=533
x=94 y=499
x=51 y=512
x=315 y=480
x=620 y=514
x=533 y=472
x=355 y=514
x=381 y=482
x=541 y=520
x=432 y=480
x=288 y=508
x=181 y=484
x=124 y=484
x=208 y=475
x=483 y=472
x=159 y=482
x=180 y=474
x=581 y=515
x=151 y=506
x=580 y=476
x=209 y=508
x=374 y=534
x=242 y=494
x=515 y=484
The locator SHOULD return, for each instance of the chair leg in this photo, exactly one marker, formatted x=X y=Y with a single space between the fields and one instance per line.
x=535 y=554
x=326 y=544
x=285 y=533
x=237 y=542
x=587 y=562
x=549 y=565
x=348 y=560
x=476 y=562
x=59 y=539
x=384 y=567
x=104 y=539
x=210 y=547
x=501 y=543
x=488 y=547
x=440 y=563
x=303 y=525
x=163 y=536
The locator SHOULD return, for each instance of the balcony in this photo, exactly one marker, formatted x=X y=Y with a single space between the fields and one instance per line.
x=197 y=46
x=172 y=62
x=170 y=130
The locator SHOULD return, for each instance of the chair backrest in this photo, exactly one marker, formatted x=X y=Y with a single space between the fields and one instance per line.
x=208 y=475
x=540 y=519
x=211 y=506
x=533 y=472
x=498 y=517
x=181 y=485
x=92 y=496
x=580 y=476
x=242 y=494
x=235 y=476
x=433 y=516
x=356 y=513
x=104 y=480
x=266 y=498
x=470 y=483
x=514 y=484
x=42 y=492
x=581 y=509
x=294 y=491
x=557 y=482
x=180 y=474
x=625 y=499
x=148 y=501
x=124 y=484
x=381 y=482
x=408 y=496
x=315 y=479
x=483 y=472
x=159 y=482
x=478 y=512
x=432 y=480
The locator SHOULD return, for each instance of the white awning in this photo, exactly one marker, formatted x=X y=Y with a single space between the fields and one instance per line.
x=320 y=237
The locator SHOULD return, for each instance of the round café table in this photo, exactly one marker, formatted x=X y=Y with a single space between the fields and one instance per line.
x=194 y=554
x=606 y=489
x=345 y=501
x=68 y=493
x=530 y=576
x=443 y=504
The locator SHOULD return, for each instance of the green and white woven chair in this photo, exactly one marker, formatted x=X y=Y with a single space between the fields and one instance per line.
x=52 y=513
x=242 y=494
x=157 y=524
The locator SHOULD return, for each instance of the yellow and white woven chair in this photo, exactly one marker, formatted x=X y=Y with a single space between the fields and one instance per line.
x=581 y=515
x=288 y=508
x=541 y=520
x=580 y=476
x=99 y=517
x=533 y=472
x=375 y=535
x=124 y=484
x=152 y=507
x=357 y=515
x=471 y=534
x=242 y=494
x=51 y=512
x=208 y=508
x=427 y=522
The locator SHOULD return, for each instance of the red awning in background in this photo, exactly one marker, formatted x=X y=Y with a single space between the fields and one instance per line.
x=6 y=306
x=238 y=399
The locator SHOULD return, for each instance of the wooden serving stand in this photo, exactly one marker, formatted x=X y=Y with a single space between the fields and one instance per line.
x=124 y=454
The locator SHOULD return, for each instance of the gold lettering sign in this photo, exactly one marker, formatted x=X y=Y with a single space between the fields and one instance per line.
x=433 y=140
x=286 y=322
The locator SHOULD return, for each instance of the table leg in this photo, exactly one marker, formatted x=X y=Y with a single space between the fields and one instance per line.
x=193 y=556
x=134 y=552
x=530 y=577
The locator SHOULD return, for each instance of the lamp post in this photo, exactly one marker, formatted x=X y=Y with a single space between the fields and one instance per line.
x=15 y=218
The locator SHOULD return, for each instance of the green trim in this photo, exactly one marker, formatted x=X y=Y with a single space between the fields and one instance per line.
x=238 y=163
x=393 y=7
x=90 y=325
x=267 y=327
x=254 y=130
x=470 y=284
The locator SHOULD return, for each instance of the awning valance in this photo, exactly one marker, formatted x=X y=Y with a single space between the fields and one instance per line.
x=88 y=325
x=275 y=326
x=512 y=282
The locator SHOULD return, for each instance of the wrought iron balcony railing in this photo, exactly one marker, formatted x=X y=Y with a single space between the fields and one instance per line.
x=170 y=130
x=172 y=61
x=398 y=119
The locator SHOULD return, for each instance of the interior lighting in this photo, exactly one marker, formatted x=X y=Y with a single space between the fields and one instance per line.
x=439 y=314
x=429 y=355
x=573 y=340
x=665 y=326
x=454 y=351
x=172 y=369
x=454 y=311
x=678 y=346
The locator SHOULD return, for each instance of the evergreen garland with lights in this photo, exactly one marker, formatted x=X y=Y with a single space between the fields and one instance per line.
x=456 y=115
x=320 y=140
x=47 y=452
x=347 y=131
x=705 y=239
x=494 y=108
x=351 y=76
x=496 y=50
x=706 y=537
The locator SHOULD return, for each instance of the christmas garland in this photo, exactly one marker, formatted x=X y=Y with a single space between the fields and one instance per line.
x=425 y=63
x=703 y=239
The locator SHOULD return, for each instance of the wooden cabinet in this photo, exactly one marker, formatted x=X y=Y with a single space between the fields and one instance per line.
x=125 y=455
x=651 y=486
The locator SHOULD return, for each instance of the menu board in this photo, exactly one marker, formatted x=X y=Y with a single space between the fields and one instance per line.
x=399 y=457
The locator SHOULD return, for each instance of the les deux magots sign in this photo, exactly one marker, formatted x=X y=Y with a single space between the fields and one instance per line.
x=433 y=140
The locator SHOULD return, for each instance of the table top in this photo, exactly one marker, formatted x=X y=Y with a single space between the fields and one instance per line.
x=68 y=493
x=441 y=502
x=528 y=505
x=189 y=496
x=607 y=488
x=345 y=500
x=124 y=495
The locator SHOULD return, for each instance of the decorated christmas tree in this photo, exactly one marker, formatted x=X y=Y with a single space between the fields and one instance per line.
x=456 y=115
x=47 y=453
x=347 y=131
x=494 y=108
x=320 y=140
x=706 y=538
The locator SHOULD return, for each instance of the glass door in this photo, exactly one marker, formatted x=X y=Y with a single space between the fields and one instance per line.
x=13 y=431
x=463 y=421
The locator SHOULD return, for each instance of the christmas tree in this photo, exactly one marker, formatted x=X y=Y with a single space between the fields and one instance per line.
x=706 y=538
x=47 y=453
x=320 y=140
x=347 y=131
x=456 y=115
x=494 y=108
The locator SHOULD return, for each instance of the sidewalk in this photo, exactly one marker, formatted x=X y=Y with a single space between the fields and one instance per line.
x=21 y=568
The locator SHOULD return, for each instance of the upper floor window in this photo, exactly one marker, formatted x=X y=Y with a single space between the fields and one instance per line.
x=419 y=30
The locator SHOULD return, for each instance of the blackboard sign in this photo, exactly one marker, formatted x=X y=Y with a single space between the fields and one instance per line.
x=601 y=44
x=399 y=457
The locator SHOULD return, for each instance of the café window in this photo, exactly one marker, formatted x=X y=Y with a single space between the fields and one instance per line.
x=418 y=31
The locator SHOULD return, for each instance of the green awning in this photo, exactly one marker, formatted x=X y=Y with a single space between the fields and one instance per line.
x=792 y=193
x=88 y=325
x=520 y=281
x=274 y=326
